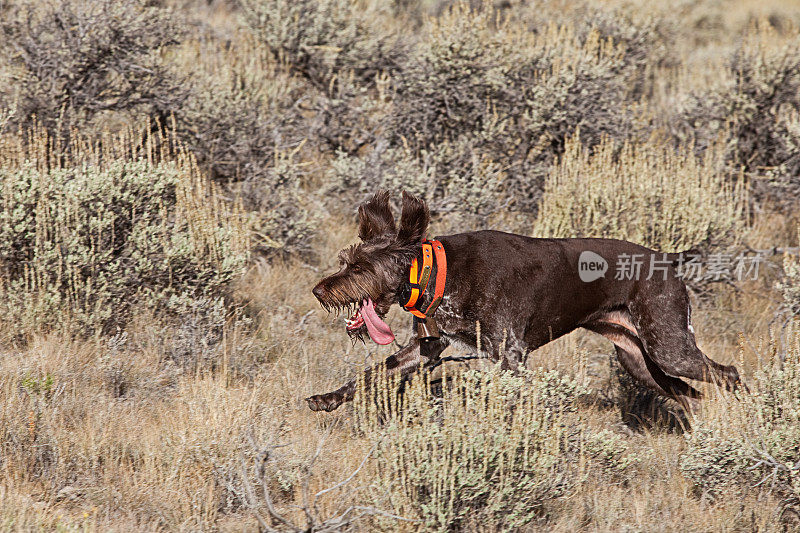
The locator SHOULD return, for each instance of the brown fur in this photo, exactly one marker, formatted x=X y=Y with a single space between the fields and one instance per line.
x=525 y=292
x=375 y=267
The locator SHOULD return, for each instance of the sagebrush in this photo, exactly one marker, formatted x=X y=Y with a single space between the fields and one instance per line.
x=84 y=242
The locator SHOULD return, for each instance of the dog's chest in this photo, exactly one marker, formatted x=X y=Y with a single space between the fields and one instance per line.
x=451 y=320
x=459 y=330
x=470 y=333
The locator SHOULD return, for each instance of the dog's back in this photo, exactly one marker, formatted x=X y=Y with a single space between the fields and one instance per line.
x=557 y=283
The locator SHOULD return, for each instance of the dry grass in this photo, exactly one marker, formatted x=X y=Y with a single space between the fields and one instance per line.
x=120 y=218
x=646 y=193
x=167 y=454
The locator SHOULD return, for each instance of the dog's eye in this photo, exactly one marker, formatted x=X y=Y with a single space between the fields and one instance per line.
x=356 y=268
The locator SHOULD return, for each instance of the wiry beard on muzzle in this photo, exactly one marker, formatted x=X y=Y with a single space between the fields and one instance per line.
x=343 y=299
x=344 y=308
x=344 y=296
x=356 y=335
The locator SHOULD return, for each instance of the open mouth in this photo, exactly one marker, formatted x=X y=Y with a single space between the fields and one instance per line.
x=379 y=331
x=354 y=322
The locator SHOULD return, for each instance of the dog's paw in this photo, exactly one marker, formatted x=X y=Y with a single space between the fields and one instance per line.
x=325 y=402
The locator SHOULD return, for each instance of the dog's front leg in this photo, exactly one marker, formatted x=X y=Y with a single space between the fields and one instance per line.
x=405 y=361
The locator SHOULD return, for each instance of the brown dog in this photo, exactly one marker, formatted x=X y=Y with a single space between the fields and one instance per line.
x=525 y=292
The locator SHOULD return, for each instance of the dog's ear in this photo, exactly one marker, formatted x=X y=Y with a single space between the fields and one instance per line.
x=375 y=217
x=414 y=219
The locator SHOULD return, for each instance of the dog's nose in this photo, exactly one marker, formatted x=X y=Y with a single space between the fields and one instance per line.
x=318 y=291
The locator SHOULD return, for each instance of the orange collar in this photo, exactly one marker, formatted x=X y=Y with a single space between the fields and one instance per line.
x=418 y=280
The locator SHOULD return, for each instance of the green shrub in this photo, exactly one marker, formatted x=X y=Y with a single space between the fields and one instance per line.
x=790 y=285
x=479 y=106
x=80 y=245
x=753 y=441
x=472 y=113
x=493 y=451
x=75 y=61
x=478 y=88
x=714 y=462
x=464 y=186
x=784 y=180
x=646 y=42
x=239 y=111
x=343 y=49
x=320 y=39
x=610 y=452
x=240 y=122
x=230 y=131
x=284 y=216
x=766 y=88
x=758 y=106
x=474 y=71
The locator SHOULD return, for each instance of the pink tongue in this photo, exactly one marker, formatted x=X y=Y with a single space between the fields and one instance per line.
x=378 y=330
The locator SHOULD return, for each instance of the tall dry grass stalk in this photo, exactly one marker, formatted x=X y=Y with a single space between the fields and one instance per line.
x=200 y=203
x=647 y=193
x=78 y=221
x=162 y=454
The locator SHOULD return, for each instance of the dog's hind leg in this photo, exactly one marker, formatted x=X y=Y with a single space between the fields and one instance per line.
x=646 y=372
x=406 y=361
x=662 y=320
x=635 y=361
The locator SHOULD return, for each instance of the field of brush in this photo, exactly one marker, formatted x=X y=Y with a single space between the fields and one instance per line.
x=176 y=175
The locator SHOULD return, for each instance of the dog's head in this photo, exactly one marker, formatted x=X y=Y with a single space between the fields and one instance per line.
x=372 y=271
